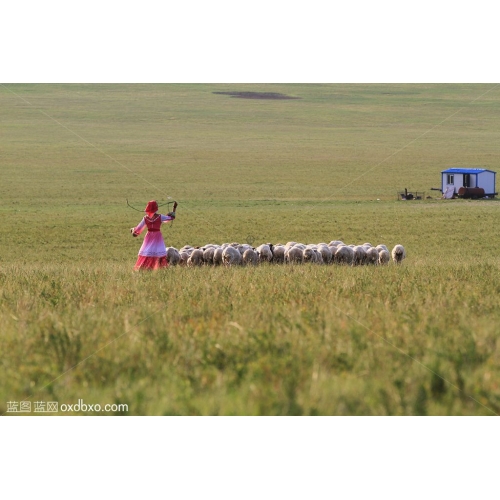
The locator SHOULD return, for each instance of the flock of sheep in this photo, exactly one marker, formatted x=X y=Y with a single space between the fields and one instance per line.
x=335 y=252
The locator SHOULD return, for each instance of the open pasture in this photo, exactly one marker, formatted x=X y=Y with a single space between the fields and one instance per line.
x=77 y=323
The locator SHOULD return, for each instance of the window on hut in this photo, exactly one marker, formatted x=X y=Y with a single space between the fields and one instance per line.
x=450 y=179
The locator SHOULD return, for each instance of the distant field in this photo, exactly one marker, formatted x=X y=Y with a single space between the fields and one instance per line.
x=272 y=340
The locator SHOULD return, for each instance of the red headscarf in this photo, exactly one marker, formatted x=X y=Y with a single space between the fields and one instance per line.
x=151 y=207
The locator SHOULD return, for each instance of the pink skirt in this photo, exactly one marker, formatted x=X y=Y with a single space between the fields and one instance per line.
x=150 y=263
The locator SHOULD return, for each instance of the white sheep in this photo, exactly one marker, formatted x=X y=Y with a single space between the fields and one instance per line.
x=217 y=260
x=398 y=254
x=173 y=256
x=264 y=252
x=243 y=248
x=308 y=255
x=278 y=253
x=250 y=257
x=372 y=256
x=231 y=256
x=293 y=255
x=383 y=257
x=208 y=255
x=326 y=253
x=184 y=258
x=319 y=257
x=196 y=258
x=344 y=255
x=359 y=256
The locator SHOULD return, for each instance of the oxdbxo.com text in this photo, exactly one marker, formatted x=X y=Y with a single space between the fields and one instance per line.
x=81 y=406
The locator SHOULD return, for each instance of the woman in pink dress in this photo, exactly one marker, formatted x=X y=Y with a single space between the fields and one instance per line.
x=152 y=254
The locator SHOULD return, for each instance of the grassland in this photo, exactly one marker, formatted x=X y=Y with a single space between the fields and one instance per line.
x=421 y=338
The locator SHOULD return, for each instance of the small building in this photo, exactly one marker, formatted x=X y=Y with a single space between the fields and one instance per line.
x=469 y=178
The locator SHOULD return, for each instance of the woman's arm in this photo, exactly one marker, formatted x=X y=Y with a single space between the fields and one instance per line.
x=169 y=217
x=136 y=231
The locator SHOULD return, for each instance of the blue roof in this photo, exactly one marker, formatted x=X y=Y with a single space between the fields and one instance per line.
x=466 y=171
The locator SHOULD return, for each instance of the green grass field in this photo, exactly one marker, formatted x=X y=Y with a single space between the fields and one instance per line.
x=416 y=339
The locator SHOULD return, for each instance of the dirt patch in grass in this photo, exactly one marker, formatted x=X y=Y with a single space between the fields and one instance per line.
x=400 y=93
x=257 y=95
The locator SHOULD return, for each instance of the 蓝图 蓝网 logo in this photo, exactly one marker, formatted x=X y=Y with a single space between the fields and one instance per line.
x=39 y=407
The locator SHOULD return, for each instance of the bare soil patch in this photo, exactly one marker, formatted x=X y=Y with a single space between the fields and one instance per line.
x=257 y=95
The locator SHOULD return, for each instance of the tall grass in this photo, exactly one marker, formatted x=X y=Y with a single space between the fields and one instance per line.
x=267 y=340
